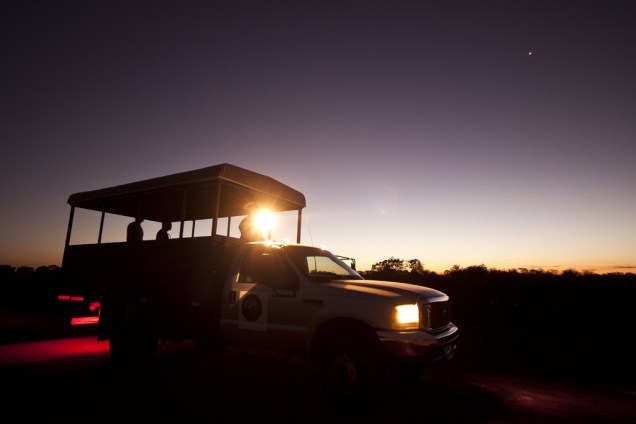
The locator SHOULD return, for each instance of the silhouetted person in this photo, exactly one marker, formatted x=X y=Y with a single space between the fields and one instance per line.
x=134 y=231
x=249 y=230
x=163 y=233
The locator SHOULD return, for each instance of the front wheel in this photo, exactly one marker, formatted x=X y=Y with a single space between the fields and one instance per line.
x=349 y=371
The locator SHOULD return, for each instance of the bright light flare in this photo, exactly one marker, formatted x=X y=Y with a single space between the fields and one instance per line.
x=264 y=221
x=407 y=317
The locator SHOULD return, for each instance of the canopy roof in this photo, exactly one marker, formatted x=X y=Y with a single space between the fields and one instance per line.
x=193 y=195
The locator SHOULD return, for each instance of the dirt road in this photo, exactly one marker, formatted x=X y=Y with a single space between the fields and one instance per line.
x=73 y=380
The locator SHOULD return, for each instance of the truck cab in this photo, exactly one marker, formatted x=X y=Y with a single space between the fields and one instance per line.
x=304 y=300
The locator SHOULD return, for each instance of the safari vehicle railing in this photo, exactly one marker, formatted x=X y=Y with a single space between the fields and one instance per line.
x=220 y=191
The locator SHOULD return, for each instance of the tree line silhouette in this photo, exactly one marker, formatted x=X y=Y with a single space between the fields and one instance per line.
x=571 y=321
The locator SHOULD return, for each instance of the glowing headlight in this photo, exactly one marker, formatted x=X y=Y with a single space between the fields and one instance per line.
x=406 y=317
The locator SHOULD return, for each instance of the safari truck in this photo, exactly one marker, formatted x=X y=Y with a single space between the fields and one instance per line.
x=204 y=284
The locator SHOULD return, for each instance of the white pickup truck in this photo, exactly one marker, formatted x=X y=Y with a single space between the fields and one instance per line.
x=217 y=289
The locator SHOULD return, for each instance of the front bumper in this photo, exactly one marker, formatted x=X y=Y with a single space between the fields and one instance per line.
x=419 y=347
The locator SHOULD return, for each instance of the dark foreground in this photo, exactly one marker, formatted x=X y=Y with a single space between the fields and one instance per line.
x=72 y=380
x=536 y=348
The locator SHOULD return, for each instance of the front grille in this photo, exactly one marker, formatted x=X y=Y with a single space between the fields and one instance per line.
x=435 y=316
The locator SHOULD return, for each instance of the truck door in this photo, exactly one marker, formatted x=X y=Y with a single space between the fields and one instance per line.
x=267 y=301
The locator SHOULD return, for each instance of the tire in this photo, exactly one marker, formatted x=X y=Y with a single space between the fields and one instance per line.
x=208 y=343
x=132 y=343
x=349 y=371
x=209 y=337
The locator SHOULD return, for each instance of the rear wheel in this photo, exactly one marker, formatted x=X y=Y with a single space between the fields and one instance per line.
x=208 y=342
x=132 y=342
x=208 y=338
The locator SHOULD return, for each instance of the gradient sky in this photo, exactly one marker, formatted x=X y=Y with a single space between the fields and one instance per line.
x=500 y=133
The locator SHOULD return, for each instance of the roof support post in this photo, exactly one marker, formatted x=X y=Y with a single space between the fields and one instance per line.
x=69 y=228
x=184 y=204
x=101 y=224
x=217 y=205
x=300 y=219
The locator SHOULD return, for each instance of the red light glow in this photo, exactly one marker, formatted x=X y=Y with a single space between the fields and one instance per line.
x=84 y=320
x=71 y=298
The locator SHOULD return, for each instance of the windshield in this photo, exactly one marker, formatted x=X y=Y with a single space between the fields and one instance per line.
x=320 y=265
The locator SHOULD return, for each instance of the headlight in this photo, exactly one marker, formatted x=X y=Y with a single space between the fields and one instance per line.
x=406 y=317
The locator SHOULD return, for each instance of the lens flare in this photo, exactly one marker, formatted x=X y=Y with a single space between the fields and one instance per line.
x=264 y=221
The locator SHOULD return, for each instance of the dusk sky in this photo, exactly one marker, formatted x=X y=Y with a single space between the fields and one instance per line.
x=500 y=133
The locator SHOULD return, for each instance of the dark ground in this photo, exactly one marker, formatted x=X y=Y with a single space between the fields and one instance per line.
x=497 y=384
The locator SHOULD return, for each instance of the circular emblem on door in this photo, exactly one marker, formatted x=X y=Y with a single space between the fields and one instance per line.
x=251 y=307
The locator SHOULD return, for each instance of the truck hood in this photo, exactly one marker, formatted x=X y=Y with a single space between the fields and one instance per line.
x=388 y=289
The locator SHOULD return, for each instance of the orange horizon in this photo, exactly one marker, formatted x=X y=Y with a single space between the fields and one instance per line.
x=600 y=270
